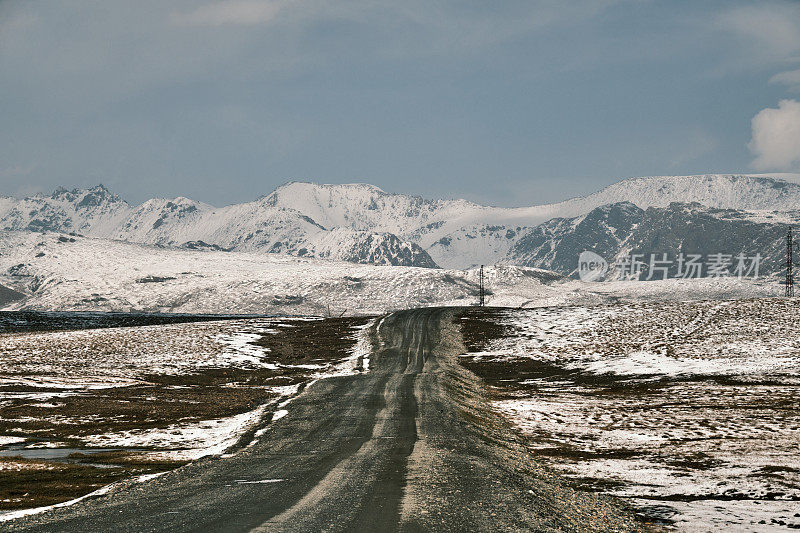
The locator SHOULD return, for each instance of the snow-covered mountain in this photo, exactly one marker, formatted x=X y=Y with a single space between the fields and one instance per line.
x=367 y=247
x=253 y=226
x=620 y=230
x=361 y=223
x=490 y=233
x=95 y=209
x=558 y=242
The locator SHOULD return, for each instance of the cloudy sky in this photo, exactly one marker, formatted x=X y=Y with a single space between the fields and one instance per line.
x=509 y=103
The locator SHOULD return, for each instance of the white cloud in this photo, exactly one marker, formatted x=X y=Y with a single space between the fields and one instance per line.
x=776 y=137
x=775 y=26
x=791 y=78
x=231 y=12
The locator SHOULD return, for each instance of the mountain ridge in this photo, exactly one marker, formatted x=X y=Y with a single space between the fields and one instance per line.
x=360 y=222
x=622 y=231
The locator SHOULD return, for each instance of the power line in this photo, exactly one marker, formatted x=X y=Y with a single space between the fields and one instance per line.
x=481 y=290
x=789 y=264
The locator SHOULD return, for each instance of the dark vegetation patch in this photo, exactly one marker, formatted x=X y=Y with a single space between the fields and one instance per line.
x=693 y=461
x=312 y=341
x=776 y=470
x=38 y=483
x=155 y=279
x=593 y=484
x=124 y=458
x=28 y=321
x=162 y=401
x=579 y=454
x=27 y=483
x=9 y=295
x=480 y=326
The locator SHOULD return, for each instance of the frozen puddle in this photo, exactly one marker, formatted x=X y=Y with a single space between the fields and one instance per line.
x=49 y=454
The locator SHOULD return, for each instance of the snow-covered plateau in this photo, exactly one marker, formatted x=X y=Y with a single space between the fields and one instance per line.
x=57 y=272
x=687 y=411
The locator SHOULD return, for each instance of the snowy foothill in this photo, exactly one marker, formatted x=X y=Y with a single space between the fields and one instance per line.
x=84 y=274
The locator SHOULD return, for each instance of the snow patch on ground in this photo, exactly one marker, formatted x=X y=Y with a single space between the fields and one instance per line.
x=87 y=360
x=240 y=351
x=359 y=356
x=193 y=441
x=687 y=410
x=656 y=364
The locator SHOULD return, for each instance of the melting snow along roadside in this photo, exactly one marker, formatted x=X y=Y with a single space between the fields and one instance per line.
x=11 y=515
x=214 y=437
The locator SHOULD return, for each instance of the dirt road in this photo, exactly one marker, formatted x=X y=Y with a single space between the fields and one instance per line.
x=410 y=445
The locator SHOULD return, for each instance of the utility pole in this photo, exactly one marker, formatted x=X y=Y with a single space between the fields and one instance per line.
x=789 y=265
x=482 y=292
